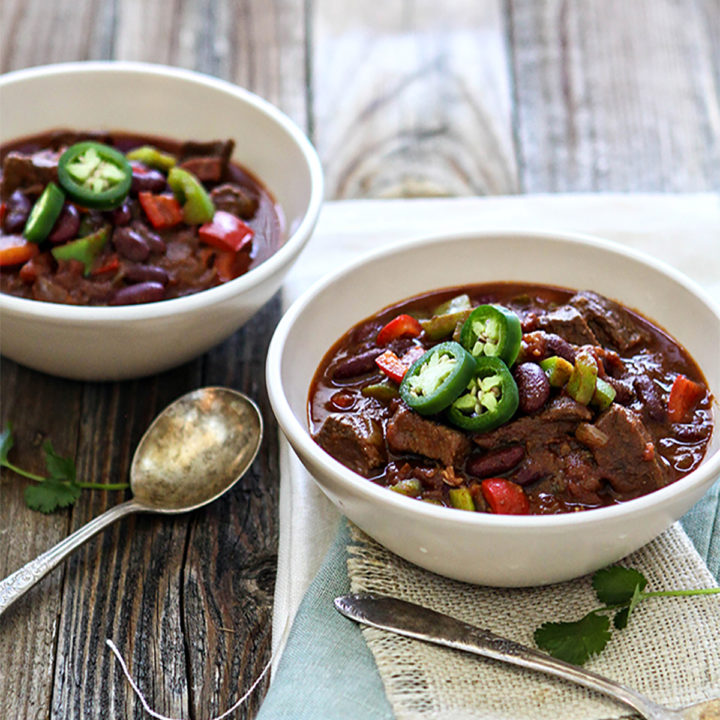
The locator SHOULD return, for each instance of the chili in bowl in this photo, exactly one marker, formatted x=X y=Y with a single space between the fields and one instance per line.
x=105 y=281
x=542 y=456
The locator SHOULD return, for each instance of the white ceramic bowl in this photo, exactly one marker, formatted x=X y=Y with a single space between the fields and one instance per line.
x=498 y=550
x=111 y=343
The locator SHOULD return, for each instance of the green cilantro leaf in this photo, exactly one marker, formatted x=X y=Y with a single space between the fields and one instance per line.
x=617 y=585
x=6 y=443
x=60 y=468
x=575 y=642
x=50 y=495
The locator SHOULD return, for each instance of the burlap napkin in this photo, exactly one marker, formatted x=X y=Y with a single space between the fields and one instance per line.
x=670 y=649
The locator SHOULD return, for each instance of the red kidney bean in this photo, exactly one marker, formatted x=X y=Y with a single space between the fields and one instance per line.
x=147 y=181
x=146 y=273
x=650 y=397
x=624 y=393
x=140 y=293
x=533 y=386
x=555 y=345
x=121 y=215
x=130 y=244
x=357 y=365
x=66 y=226
x=153 y=240
x=18 y=211
x=495 y=462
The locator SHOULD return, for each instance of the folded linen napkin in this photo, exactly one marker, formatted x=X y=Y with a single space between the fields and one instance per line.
x=326 y=670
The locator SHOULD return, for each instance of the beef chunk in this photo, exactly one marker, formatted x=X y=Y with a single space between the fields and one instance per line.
x=234 y=199
x=30 y=173
x=207 y=160
x=613 y=326
x=563 y=407
x=628 y=460
x=567 y=322
x=205 y=169
x=409 y=432
x=356 y=441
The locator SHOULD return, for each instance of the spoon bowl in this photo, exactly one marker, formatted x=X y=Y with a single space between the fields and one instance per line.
x=192 y=453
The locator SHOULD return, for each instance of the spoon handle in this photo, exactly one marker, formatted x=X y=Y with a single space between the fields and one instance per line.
x=19 y=582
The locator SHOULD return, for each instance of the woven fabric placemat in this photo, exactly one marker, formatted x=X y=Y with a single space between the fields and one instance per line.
x=670 y=649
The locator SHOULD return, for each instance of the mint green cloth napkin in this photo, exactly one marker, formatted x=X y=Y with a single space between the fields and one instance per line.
x=327 y=672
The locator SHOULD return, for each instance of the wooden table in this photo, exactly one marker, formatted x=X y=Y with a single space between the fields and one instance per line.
x=401 y=99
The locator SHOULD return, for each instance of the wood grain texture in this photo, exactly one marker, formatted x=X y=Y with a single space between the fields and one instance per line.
x=412 y=100
x=615 y=95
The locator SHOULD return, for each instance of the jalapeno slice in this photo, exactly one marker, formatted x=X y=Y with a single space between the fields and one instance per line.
x=493 y=331
x=95 y=175
x=490 y=398
x=437 y=378
x=44 y=213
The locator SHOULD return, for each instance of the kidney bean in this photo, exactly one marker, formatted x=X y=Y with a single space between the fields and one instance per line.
x=495 y=462
x=153 y=240
x=121 y=215
x=18 y=211
x=66 y=226
x=130 y=244
x=357 y=365
x=533 y=386
x=624 y=393
x=140 y=293
x=146 y=273
x=555 y=345
x=147 y=181
x=650 y=397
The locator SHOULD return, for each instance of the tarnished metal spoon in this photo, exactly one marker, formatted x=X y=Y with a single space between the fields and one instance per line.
x=193 y=452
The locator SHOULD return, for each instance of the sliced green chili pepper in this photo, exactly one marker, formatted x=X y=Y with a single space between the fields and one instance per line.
x=557 y=369
x=604 y=394
x=461 y=499
x=494 y=331
x=381 y=391
x=409 y=487
x=198 y=208
x=437 y=378
x=152 y=157
x=44 y=213
x=581 y=384
x=84 y=249
x=490 y=398
x=95 y=175
x=446 y=317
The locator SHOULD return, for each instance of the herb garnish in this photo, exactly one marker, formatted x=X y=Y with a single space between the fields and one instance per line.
x=621 y=590
x=61 y=488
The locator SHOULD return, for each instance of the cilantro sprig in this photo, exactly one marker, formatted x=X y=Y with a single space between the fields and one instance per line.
x=60 y=488
x=621 y=590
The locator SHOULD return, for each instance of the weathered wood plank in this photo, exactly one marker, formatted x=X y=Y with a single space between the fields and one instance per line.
x=411 y=99
x=614 y=95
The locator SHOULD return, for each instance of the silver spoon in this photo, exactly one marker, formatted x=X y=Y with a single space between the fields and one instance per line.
x=192 y=453
x=421 y=623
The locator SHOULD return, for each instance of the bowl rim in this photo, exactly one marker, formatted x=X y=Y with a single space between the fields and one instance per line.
x=295 y=240
x=300 y=438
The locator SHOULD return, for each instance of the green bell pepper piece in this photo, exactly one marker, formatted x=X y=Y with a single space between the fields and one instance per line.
x=409 y=487
x=557 y=369
x=152 y=157
x=461 y=499
x=604 y=394
x=84 y=249
x=437 y=378
x=446 y=317
x=490 y=399
x=197 y=206
x=581 y=385
x=493 y=331
x=384 y=391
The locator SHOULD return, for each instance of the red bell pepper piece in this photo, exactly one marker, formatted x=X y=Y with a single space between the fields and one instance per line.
x=230 y=265
x=110 y=265
x=3 y=211
x=684 y=396
x=395 y=367
x=505 y=497
x=400 y=326
x=163 y=211
x=226 y=232
x=15 y=250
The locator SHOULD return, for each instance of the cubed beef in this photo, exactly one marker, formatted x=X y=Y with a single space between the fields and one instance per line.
x=613 y=326
x=563 y=407
x=628 y=460
x=207 y=160
x=355 y=440
x=234 y=199
x=567 y=322
x=409 y=432
x=206 y=169
x=30 y=173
